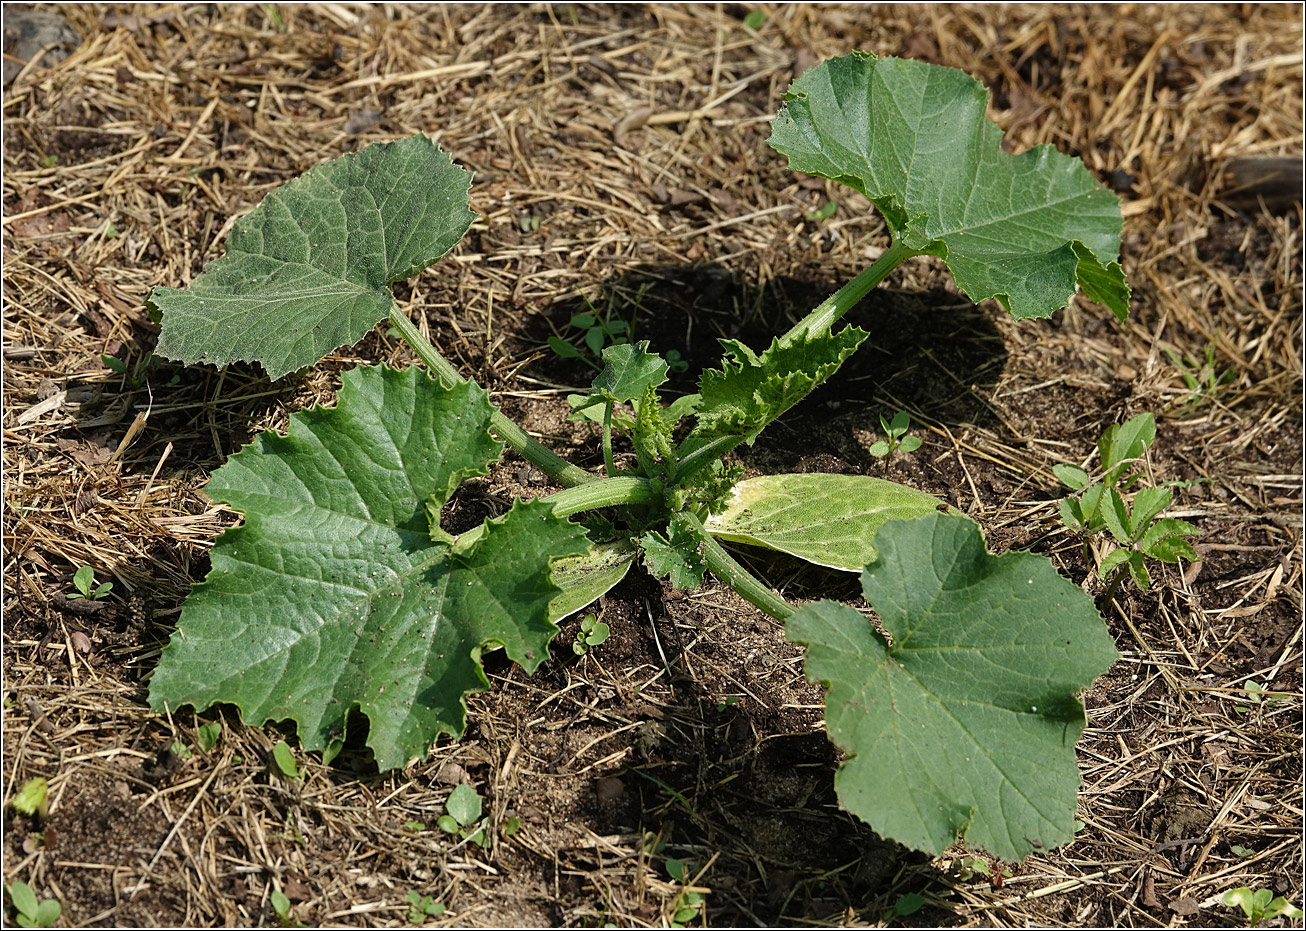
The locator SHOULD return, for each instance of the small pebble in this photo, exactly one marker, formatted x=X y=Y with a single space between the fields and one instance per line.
x=609 y=789
x=81 y=642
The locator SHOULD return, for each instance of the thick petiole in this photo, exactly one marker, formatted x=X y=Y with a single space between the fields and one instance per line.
x=724 y=567
x=828 y=312
x=534 y=451
x=600 y=493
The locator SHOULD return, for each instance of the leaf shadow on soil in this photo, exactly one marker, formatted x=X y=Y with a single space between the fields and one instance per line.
x=932 y=353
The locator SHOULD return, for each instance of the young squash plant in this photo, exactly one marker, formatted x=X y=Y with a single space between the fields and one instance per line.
x=341 y=593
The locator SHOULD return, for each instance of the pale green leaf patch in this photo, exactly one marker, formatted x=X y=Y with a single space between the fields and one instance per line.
x=829 y=520
x=966 y=724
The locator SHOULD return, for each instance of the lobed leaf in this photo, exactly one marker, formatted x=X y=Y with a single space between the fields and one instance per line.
x=830 y=520
x=334 y=596
x=1026 y=229
x=965 y=724
x=310 y=269
x=675 y=557
x=749 y=391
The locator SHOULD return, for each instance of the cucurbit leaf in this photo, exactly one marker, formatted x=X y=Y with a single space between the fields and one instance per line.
x=829 y=520
x=913 y=137
x=967 y=722
x=749 y=391
x=310 y=268
x=332 y=596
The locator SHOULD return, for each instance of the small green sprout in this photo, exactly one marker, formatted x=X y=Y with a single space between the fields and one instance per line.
x=530 y=224
x=463 y=816
x=596 y=334
x=688 y=902
x=33 y=798
x=415 y=826
x=111 y=232
x=896 y=437
x=1200 y=379
x=1260 y=905
x=1100 y=505
x=180 y=750
x=284 y=759
x=591 y=633
x=421 y=907
x=1240 y=852
x=824 y=213
x=208 y=735
x=50 y=161
x=31 y=913
x=908 y=904
x=281 y=905
x=675 y=363
x=755 y=19
x=84 y=583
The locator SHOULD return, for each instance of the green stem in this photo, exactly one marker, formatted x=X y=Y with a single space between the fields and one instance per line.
x=828 y=312
x=600 y=493
x=535 y=452
x=703 y=456
x=607 y=439
x=724 y=567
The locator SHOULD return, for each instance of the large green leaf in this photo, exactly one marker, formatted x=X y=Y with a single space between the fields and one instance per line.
x=826 y=519
x=913 y=138
x=310 y=269
x=967 y=723
x=333 y=595
x=749 y=391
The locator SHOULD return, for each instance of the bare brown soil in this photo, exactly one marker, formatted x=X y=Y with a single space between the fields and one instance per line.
x=620 y=154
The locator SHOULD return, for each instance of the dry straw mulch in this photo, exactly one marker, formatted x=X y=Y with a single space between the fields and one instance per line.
x=607 y=140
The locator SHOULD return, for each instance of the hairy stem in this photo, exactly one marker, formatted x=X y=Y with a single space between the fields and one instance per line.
x=828 y=312
x=534 y=451
x=704 y=456
x=600 y=493
x=607 y=439
x=724 y=567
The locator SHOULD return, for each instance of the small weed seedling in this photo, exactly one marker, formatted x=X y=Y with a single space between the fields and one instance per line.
x=1137 y=526
x=84 y=583
x=136 y=375
x=896 y=437
x=824 y=213
x=33 y=798
x=590 y=633
x=908 y=904
x=422 y=907
x=688 y=902
x=375 y=602
x=1260 y=905
x=285 y=913
x=1200 y=379
x=30 y=912
x=596 y=334
x=463 y=816
x=284 y=760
